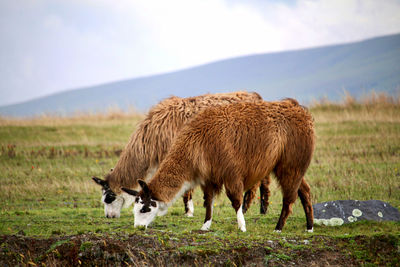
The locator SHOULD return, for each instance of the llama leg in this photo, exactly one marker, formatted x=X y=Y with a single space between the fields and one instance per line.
x=188 y=202
x=185 y=201
x=249 y=197
x=285 y=212
x=208 y=204
x=264 y=195
x=236 y=198
x=289 y=191
x=305 y=197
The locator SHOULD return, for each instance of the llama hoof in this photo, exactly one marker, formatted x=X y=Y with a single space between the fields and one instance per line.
x=203 y=228
x=189 y=214
x=190 y=209
x=278 y=231
x=243 y=229
x=310 y=230
x=206 y=226
x=240 y=220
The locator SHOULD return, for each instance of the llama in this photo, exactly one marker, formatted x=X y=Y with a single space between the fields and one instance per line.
x=235 y=146
x=150 y=143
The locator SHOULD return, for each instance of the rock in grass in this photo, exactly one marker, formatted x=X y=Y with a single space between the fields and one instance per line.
x=339 y=212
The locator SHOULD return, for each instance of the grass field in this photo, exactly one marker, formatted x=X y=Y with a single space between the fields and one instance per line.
x=46 y=165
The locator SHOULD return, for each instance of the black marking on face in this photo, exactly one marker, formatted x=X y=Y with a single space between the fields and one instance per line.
x=147 y=204
x=145 y=209
x=110 y=196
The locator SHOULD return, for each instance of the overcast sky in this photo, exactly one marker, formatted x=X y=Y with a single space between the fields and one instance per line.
x=53 y=45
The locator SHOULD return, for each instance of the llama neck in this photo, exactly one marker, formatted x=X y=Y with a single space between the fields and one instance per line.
x=132 y=165
x=172 y=180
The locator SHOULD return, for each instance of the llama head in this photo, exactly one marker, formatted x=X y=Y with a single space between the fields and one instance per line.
x=146 y=208
x=112 y=203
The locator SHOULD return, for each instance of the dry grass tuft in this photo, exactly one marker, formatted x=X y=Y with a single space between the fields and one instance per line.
x=113 y=114
x=372 y=99
x=370 y=107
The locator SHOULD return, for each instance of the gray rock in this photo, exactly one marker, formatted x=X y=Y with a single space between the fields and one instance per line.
x=339 y=212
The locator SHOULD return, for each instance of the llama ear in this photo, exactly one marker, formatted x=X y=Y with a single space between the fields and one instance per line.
x=101 y=182
x=144 y=186
x=130 y=192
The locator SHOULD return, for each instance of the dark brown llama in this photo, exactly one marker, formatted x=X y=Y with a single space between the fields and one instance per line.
x=235 y=146
x=150 y=143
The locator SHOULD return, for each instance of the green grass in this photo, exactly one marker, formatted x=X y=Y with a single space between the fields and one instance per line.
x=46 y=187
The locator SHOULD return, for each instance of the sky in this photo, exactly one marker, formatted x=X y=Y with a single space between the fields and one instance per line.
x=48 y=46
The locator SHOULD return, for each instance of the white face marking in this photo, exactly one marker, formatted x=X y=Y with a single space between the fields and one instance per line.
x=145 y=218
x=190 y=211
x=240 y=219
x=113 y=209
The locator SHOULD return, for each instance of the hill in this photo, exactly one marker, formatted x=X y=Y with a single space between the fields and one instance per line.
x=303 y=74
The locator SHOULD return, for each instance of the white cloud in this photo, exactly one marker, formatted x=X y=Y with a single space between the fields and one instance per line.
x=313 y=23
x=48 y=45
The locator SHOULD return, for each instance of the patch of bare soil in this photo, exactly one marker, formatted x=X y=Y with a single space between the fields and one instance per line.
x=136 y=250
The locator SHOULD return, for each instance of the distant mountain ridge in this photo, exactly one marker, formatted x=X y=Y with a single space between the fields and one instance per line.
x=302 y=74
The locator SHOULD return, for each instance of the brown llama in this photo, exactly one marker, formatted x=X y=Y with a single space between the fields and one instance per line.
x=150 y=143
x=235 y=146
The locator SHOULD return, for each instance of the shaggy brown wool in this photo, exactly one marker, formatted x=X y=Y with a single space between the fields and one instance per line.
x=236 y=146
x=151 y=141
